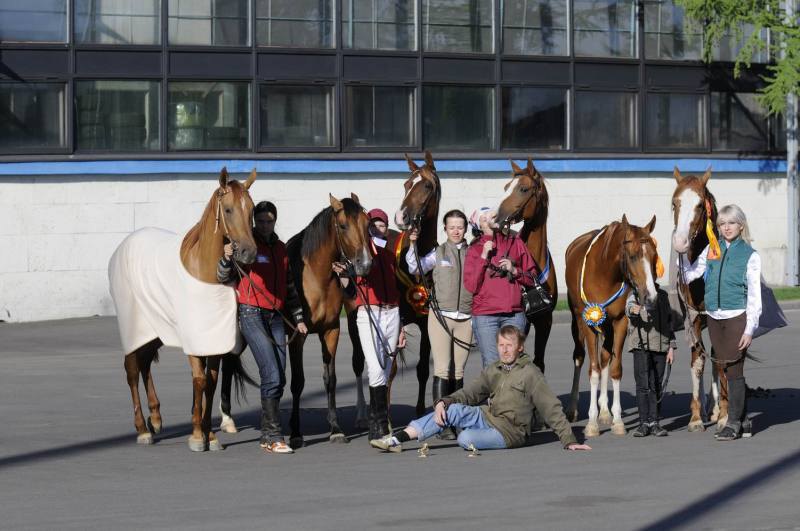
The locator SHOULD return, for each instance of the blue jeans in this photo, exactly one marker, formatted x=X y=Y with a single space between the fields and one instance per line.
x=485 y=329
x=264 y=332
x=469 y=419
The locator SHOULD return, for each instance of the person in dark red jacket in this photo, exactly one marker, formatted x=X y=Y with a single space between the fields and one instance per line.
x=496 y=268
x=378 y=320
x=263 y=294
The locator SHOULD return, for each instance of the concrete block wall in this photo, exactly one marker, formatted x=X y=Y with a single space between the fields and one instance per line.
x=58 y=232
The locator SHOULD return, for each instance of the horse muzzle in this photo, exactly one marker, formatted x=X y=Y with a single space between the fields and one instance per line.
x=402 y=219
x=244 y=254
x=680 y=243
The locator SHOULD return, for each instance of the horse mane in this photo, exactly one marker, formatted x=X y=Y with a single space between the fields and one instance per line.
x=542 y=198
x=610 y=235
x=192 y=237
x=317 y=233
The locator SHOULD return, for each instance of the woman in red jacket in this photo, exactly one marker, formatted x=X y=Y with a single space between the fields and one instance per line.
x=496 y=268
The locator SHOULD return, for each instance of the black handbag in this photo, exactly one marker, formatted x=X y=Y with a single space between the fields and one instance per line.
x=535 y=300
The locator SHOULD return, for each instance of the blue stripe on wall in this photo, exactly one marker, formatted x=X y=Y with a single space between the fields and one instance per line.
x=139 y=167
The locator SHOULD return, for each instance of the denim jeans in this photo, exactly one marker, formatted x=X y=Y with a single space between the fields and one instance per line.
x=485 y=328
x=264 y=332
x=470 y=420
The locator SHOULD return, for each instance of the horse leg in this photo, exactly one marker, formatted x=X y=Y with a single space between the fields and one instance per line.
x=541 y=326
x=197 y=442
x=227 y=423
x=423 y=366
x=592 y=428
x=578 y=357
x=604 y=416
x=362 y=421
x=618 y=342
x=698 y=363
x=132 y=373
x=212 y=375
x=296 y=386
x=330 y=340
x=146 y=358
x=721 y=400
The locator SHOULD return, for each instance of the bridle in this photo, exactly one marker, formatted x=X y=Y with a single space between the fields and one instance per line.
x=518 y=212
x=433 y=193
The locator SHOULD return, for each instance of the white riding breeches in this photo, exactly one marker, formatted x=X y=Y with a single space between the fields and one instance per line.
x=377 y=345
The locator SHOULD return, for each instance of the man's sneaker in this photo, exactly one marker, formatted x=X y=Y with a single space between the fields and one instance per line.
x=642 y=431
x=277 y=447
x=657 y=431
x=388 y=443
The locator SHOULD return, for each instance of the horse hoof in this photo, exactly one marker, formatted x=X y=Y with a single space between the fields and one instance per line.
x=338 y=438
x=696 y=425
x=227 y=425
x=591 y=430
x=215 y=446
x=618 y=428
x=605 y=418
x=296 y=442
x=144 y=438
x=154 y=427
x=197 y=445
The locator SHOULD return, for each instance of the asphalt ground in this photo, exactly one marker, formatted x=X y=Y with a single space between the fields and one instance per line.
x=68 y=458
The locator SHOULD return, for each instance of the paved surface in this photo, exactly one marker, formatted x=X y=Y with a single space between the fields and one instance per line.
x=68 y=459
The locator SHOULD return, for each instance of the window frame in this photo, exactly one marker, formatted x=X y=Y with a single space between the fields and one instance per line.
x=568 y=118
x=67 y=117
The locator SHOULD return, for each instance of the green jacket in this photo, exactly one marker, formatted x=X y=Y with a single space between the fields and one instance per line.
x=513 y=394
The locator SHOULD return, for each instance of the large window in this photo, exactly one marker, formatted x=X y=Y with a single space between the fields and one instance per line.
x=380 y=116
x=536 y=27
x=293 y=116
x=379 y=24
x=458 y=117
x=209 y=115
x=669 y=34
x=117 y=115
x=33 y=117
x=458 y=26
x=33 y=20
x=118 y=22
x=209 y=22
x=295 y=23
x=605 y=28
x=605 y=120
x=729 y=47
x=676 y=121
x=534 y=118
x=738 y=122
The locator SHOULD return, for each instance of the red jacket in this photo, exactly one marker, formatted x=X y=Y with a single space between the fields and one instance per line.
x=269 y=274
x=380 y=286
x=491 y=293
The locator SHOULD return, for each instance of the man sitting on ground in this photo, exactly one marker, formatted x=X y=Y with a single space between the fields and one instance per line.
x=513 y=385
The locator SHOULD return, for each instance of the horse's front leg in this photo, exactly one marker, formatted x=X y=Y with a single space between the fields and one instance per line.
x=720 y=388
x=698 y=364
x=362 y=420
x=620 y=330
x=578 y=357
x=542 y=325
x=330 y=341
x=296 y=386
x=423 y=366
x=197 y=442
x=212 y=375
x=227 y=423
x=594 y=347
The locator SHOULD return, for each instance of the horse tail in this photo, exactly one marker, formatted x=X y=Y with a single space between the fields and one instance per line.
x=233 y=362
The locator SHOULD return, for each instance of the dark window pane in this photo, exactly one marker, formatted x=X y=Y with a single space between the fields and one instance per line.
x=380 y=116
x=535 y=27
x=295 y=23
x=668 y=33
x=605 y=120
x=33 y=116
x=534 y=118
x=458 y=25
x=117 y=115
x=738 y=122
x=605 y=28
x=460 y=118
x=676 y=121
x=379 y=24
x=119 y=22
x=33 y=20
x=209 y=22
x=209 y=115
x=729 y=46
x=296 y=116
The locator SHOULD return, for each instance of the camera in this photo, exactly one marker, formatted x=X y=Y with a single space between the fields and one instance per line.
x=498 y=271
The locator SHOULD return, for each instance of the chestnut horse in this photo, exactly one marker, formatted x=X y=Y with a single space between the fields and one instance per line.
x=602 y=266
x=692 y=206
x=228 y=215
x=527 y=200
x=339 y=233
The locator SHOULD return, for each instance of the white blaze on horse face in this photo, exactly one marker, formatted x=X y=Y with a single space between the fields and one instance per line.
x=651 y=285
x=688 y=201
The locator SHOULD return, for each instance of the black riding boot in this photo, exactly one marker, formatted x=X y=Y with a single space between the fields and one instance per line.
x=381 y=396
x=373 y=426
x=736 y=399
x=442 y=387
x=459 y=384
x=270 y=421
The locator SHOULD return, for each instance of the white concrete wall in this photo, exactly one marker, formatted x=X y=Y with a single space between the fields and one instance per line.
x=58 y=232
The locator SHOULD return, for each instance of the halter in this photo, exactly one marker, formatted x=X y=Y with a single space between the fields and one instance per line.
x=221 y=192
x=594 y=314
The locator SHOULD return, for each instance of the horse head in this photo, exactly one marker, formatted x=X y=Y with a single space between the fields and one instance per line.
x=423 y=191
x=525 y=198
x=691 y=204
x=234 y=215
x=351 y=226
x=638 y=259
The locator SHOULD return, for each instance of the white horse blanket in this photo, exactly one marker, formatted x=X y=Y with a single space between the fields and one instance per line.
x=156 y=297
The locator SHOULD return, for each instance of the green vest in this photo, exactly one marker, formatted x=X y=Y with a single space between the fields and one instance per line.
x=726 y=282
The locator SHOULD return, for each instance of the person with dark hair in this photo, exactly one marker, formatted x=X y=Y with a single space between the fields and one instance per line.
x=449 y=318
x=263 y=293
x=514 y=387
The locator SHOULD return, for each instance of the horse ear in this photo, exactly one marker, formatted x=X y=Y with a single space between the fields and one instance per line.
x=677 y=174
x=223 y=177
x=429 y=160
x=625 y=223
x=516 y=169
x=531 y=167
x=411 y=164
x=250 y=179
x=652 y=225
x=355 y=198
x=706 y=176
x=335 y=203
